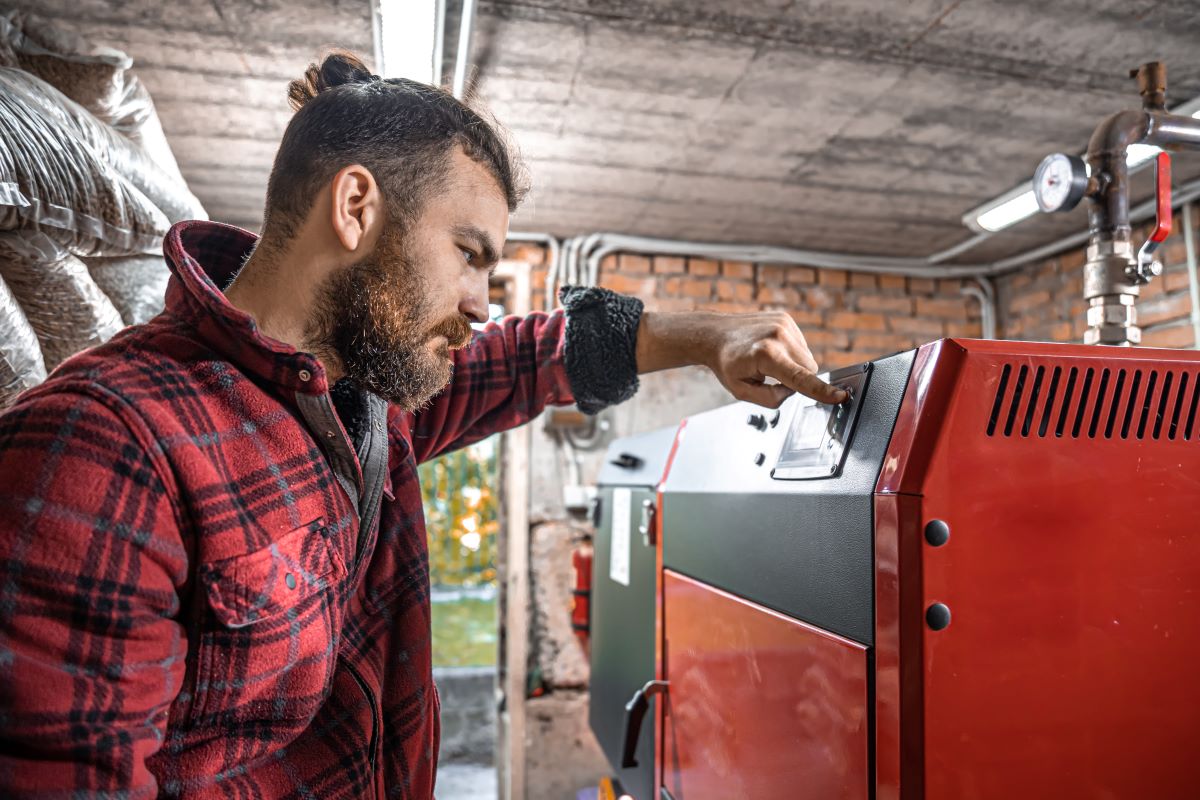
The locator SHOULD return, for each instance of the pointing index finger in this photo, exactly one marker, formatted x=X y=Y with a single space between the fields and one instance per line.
x=804 y=381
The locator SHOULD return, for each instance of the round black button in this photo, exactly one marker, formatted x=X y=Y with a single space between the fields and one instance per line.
x=759 y=459
x=937 y=532
x=937 y=616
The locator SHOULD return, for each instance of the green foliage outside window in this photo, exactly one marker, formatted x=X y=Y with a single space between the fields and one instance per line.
x=462 y=518
x=462 y=515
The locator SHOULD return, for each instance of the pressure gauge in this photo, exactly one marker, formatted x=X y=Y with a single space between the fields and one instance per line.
x=1060 y=182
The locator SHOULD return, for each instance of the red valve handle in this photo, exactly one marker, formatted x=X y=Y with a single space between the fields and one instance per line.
x=1162 y=192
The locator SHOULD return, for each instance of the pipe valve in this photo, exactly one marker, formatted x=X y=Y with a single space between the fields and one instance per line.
x=1148 y=267
x=1116 y=268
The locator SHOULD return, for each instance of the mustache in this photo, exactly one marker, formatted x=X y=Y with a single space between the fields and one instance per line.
x=457 y=330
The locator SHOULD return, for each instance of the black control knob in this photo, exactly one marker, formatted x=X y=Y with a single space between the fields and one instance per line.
x=627 y=461
x=759 y=459
x=757 y=421
x=775 y=418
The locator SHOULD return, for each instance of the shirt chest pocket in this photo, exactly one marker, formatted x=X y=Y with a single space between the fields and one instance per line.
x=267 y=644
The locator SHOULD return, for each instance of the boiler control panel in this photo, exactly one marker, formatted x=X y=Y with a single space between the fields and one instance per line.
x=819 y=434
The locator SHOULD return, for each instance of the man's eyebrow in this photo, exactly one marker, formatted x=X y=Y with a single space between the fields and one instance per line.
x=481 y=239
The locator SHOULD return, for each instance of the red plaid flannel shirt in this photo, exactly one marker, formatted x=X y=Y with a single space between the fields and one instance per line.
x=187 y=607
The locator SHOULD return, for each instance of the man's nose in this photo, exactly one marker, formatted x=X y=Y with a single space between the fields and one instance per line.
x=474 y=304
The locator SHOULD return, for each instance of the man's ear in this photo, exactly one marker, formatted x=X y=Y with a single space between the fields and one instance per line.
x=357 y=209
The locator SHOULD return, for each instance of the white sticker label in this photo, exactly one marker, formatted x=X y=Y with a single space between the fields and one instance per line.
x=618 y=558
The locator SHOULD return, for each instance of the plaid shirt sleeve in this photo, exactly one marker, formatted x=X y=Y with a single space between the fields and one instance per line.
x=91 y=559
x=510 y=372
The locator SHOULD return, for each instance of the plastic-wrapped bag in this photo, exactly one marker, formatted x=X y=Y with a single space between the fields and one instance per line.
x=21 y=365
x=52 y=180
x=128 y=159
x=64 y=306
x=136 y=119
x=137 y=285
x=91 y=76
x=96 y=78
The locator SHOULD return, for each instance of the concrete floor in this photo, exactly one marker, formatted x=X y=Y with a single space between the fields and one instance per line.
x=466 y=782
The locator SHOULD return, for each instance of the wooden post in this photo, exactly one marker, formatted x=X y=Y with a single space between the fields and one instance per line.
x=514 y=572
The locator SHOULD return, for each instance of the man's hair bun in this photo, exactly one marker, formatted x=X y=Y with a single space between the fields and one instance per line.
x=337 y=69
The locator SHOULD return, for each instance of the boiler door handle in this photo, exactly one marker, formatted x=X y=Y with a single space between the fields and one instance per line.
x=635 y=712
x=646 y=526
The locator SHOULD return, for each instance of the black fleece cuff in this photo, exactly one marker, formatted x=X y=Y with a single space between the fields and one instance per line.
x=600 y=346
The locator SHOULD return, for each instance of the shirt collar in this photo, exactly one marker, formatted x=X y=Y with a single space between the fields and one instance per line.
x=203 y=258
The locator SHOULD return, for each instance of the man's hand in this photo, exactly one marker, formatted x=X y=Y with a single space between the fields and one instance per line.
x=743 y=350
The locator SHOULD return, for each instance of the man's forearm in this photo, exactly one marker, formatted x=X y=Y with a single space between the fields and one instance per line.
x=666 y=340
x=760 y=357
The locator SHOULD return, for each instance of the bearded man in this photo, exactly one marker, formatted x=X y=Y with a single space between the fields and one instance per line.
x=213 y=568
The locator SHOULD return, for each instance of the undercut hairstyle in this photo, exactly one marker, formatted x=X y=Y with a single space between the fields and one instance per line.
x=403 y=131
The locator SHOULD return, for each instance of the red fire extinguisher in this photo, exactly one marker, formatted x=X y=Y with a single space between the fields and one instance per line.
x=581 y=606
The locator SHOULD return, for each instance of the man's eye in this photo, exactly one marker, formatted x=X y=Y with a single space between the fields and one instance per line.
x=467 y=254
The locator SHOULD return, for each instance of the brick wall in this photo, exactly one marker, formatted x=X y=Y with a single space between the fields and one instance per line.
x=1044 y=302
x=847 y=317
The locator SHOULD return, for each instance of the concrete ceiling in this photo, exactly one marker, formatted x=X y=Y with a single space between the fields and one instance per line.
x=847 y=125
x=851 y=125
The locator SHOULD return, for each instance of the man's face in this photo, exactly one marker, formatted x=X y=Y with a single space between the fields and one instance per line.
x=393 y=318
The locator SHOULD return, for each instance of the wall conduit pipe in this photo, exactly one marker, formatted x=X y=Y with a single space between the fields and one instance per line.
x=927 y=267
x=986 y=295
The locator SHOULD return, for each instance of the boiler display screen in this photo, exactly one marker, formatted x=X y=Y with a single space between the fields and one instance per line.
x=820 y=434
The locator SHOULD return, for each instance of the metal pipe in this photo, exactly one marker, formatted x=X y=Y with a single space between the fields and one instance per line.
x=1189 y=243
x=928 y=267
x=960 y=248
x=986 y=295
x=611 y=243
x=567 y=276
x=1108 y=150
x=578 y=275
x=1173 y=130
x=1108 y=210
x=439 y=40
x=464 y=48
x=561 y=273
x=1114 y=272
x=573 y=255
x=377 y=36
x=557 y=270
x=593 y=272
x=572 y=457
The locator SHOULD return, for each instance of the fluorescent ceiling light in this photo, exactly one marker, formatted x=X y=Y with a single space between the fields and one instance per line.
x=1017 y=204
x=1004 y=211
x=408 y=38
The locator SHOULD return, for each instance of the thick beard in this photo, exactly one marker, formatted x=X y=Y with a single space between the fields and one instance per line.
x=372 y=318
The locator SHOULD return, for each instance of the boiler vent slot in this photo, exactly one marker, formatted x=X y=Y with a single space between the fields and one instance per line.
x=1094 y=402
